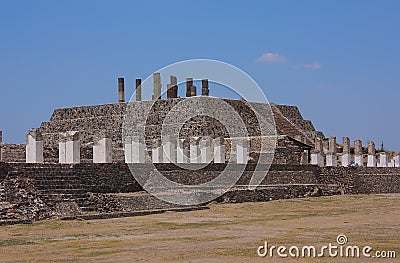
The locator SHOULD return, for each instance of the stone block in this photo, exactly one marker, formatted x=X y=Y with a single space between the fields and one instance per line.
x=102 y=151
x=34 y=147
x=242 y=152
x=138 y=90
x=358 y=148
x=157 y=152
x=156 y=86
x=169 y=151
x=371 y=162
x=195 y=156
x=332 y=145
x=69 y=147
x=304 y=158
x=371 y=148
x=318 y=147
x=204 y=87
x=346 y=160
x=359 y=160
x=317 y=159
x=121 y=92
x=193 y=91
x=62 y=147
x=182 y=151
x=383 y=160
x=205 y=150
x=138 y=151
x=128 y=149
x=346 y=145
x=331 y=160
x=189 y=84
x=396 y=161
x=219 y=150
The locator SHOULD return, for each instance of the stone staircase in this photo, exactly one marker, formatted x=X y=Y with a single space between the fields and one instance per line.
x=57 y=183
x=286 y=127
x=55 y=186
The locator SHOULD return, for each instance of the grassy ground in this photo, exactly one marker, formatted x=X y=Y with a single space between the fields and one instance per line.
x=225 y=233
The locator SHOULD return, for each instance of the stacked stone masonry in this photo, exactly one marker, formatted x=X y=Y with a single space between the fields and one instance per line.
x=93 y=120
x=60 y=189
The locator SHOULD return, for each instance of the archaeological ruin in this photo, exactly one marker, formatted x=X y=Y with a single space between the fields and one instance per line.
x=77 y=164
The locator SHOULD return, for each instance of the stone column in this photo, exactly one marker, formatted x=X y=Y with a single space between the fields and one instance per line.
x=346 y=157
x=62 y=138
x=73 y=147
x=325 y=144
x=182 y=154
x=189 y=84
x=204 y=87
x=317 y=154
x=170 y=91
x=304 y=158
x=358 y=153
x=102 y=148
x=331 y=157
x=205 y=150
x=138 y=90
x=157 y=151
x=396 y=160
x=383 y=159
x=34 y=147
x=242 y=146
x=169 y=150
x=194 y=150
x=128 y=149
x=121 y=90
x=193 y=91
x=174 y=83
x=219 y=150
x=371 y=154
x=138 y=150
x=156 y=86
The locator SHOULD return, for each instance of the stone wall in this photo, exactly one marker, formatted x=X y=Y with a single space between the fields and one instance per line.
x=293 y=114
x=13 y=152
x=37 y=191
x=90 y=120
x=116 y=178
x=362 y=180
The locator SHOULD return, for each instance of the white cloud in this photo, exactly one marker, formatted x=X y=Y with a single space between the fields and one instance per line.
x=271 y=58
x=313 y=66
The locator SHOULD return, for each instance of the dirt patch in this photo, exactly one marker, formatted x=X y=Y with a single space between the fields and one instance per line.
x=224 y=233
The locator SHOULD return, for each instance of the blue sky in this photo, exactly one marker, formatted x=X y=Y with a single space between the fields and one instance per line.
x=338 y=61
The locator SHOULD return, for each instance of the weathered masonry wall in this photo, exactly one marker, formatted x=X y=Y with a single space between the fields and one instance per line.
x=362 y=180
x=39 y=191
x=13 y=152
x=116 y=178
x=91 y=120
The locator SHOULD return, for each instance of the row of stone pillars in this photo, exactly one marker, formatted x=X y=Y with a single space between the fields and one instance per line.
x=318 y=156
x=172 y=88
x=193 y=150
x=69 y=147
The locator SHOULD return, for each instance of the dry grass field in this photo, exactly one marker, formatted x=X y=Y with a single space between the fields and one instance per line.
x=224 y=233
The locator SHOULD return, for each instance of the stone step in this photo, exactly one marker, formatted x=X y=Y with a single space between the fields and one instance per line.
x=63 y=191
